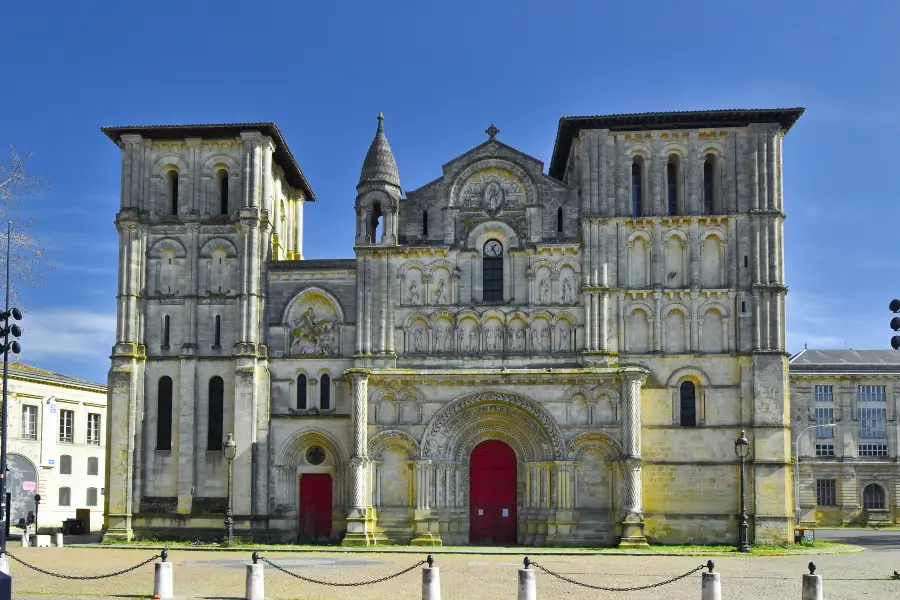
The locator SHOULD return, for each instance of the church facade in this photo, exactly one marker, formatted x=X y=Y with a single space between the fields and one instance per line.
x=513 y=357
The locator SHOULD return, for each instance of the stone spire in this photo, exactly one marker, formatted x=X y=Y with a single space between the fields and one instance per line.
x=379 y=165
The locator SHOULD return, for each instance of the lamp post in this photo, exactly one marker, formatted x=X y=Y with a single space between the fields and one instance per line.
x=797 y=468
x=742 y=450
x=229 y=448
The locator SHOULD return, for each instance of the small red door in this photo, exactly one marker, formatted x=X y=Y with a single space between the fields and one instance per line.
x=492 y=495
x=315 y=506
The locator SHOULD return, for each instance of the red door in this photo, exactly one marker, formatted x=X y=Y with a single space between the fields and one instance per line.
x=492 y=495
x=315 y=506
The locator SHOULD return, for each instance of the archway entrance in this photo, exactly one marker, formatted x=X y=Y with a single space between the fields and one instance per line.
x=315 y=507
x=492 y=494
x=22 y=486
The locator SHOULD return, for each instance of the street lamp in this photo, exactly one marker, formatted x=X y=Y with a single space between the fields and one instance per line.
x=742 y=450
x=229 y=448
x=797 y=468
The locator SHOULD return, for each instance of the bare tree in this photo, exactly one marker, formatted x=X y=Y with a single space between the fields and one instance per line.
x=28 y=254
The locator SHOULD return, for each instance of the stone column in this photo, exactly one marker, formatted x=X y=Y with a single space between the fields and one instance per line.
x=632 y=511
x=361 y=517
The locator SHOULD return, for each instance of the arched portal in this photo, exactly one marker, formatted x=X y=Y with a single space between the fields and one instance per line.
x=22 y=486
x=492 y=499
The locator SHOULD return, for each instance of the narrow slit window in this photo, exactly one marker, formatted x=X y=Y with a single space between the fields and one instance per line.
x=636 y=189
x=325 y=392
x=223 y=192
x=164 y=414
x=301 y=392
x=165 y=336
x=173 y=191
x=672 y=186
x=709 y=175
x=559 y=220
x=215 y=426
x=217 y=332
x=424 y=223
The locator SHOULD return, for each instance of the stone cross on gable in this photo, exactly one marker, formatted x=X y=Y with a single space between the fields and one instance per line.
x=492 y=131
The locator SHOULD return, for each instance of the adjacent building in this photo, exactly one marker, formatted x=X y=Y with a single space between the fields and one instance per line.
x=514 y=355
x=57 y=446
x=844 y=408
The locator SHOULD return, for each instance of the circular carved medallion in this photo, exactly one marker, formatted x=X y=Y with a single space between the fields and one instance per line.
x=315 y=456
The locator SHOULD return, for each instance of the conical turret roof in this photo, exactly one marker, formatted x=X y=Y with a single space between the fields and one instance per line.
x=379 y=165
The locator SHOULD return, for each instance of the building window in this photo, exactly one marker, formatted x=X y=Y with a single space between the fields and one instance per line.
x=165 y=336
x=164 y=414
x=65 y=496
x=559 y=220
x=873 y=451
x=872 y=423
x=870 y=393
x=824 y=393
x=29 y=422
x=824 y=416
x=492 y=276
x=424 y=223
x=223 y=191
x=173 y=191
x=65 y=465
x=873 y=497
x=325 y=392
x=301 y=392
x=92 y=496
x=688 y=404
x=66 y=426
x=672 y=185
x=217 y=332
x=824 y=450
x=637 y=187
x=709 y=187
x=215 y=424
x=93 y=430
x=826 y=492
x=93 y=465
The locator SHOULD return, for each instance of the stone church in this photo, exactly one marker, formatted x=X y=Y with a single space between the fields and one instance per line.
x=514 y=356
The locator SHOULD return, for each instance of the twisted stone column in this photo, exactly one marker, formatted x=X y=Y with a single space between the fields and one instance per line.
x=361 y=516
x=632 y=511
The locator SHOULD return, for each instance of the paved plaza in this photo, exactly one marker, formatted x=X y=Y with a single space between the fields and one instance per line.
x=220 y=575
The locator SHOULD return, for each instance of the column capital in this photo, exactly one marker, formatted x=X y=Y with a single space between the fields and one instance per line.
x=634 y=377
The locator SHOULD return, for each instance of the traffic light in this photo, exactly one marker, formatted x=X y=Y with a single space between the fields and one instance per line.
x=895 y=323
x=11 y=329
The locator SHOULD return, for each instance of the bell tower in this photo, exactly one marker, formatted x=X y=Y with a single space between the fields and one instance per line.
x=378 y=194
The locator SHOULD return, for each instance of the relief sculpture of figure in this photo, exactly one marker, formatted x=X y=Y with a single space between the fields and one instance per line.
x=535 y=339
x=463 y=341
x=544 y=292
x=473 y=342
x=563 y=339
x=439 y=296
x=566 y=292
x=545 y=337
x=519 y=339
x=419 y=340
x=489 y=339
x=311 y=337
x=448 y=341
x=413 y=292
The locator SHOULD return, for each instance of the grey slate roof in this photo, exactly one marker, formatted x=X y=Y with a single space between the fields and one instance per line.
x=693 y=119
x=25 y=372
x=845 y=361
x=379 y=165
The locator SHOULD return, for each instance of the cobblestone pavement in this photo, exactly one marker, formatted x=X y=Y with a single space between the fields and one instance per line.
x=220 y=575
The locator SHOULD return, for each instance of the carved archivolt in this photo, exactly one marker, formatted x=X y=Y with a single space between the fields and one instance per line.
x=393 y=438
x=468 y=190
x=492 y=432
x=608 y=445
x=314 y=319
x=292 y=453
x=206 y=251
x=156 y=251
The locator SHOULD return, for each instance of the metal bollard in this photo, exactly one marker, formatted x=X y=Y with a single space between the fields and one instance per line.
x=59 y=540
x=812 y=585
x=527 y=583
x=255 y=589
x=431 y=581
x=711 y=584
x=163 y=577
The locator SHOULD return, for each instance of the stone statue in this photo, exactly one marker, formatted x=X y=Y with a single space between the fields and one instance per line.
x=544 y=293
x=439 y=296
x=473 y=342
x=413 y=292
x=448 y=341
x=535 y=338
x=545 y=337
x=519 y=339
x=489 y=338
x=563 y=339
x=438 y=339
x=419 y=340
x=463 y=341
x=566 y=292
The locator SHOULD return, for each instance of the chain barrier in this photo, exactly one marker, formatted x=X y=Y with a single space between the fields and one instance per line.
x=333 y=584
x=708 y=565
x=84 y=577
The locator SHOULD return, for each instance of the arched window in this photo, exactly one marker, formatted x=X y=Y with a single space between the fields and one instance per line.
x=93 y=465
x=325 y=392
x=492 y=271
x=215 y=419
x=91 y=496
x=709 y=187
x=65 y=465
x=559 y=220
x=688 y=404
x=672 y=185
x=424 y=223
x=217 y=332
x=164 y=414
x=637 y=187
x=222 y=177
x=873 y=497
x=301 y=392
x=376 y=224
x=65 y=496
x=165 y=335
x=172 y=177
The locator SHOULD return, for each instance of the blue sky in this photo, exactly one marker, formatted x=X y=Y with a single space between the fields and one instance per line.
x=441 y=73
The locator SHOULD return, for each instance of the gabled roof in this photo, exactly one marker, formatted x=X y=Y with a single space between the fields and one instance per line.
x=283 y=156
x=696 y=119
x=845 y=360
x=24 y=372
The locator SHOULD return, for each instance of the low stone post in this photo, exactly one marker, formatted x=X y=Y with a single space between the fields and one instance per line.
x=527 y=583
x=25 y=539
x=4 y=564
x=812 y=585
x=711 y=584
x=163 y=577
x=255 y=589
x=59 y=539
x=431 y=581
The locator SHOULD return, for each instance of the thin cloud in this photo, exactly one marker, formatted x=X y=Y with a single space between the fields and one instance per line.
x=77 y=334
